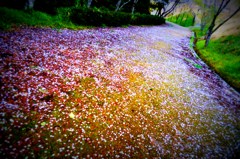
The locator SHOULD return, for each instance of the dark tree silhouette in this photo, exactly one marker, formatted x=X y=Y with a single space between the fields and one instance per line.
x=29 y=4
x=120 y=4
x=165 y=7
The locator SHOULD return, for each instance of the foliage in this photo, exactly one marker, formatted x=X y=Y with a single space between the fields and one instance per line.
x=50 y=6
x=143 y=6
x=199 y=33
x=184 y=19
x=97 y=17
x=16 y=4
x=145 y=19
x=80 y=16
x=164 y=7
x=159 y=5
x=12 y=17
x=140 y=6
x=224 y=56
x=217 y=9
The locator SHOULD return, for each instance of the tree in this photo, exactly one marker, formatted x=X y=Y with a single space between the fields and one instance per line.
x=133 y=6
x=192 y=12
x=82 y=3
x=89 y=3
x=29 y=4
x=218 y=8
x=50 y=6
x=120 y=4
x=143 y=6
x=16 y=4
x=165 y=7
x=160 y=5
x=109 y=4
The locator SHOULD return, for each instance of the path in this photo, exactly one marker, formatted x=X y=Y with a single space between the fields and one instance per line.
x=195 y=114
x=167 y=52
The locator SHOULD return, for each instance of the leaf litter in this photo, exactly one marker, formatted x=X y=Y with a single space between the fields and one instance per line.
x=112 y=93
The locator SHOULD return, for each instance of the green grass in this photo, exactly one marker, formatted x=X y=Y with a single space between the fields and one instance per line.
x=184 y=19
x=11 y=18
x=223 y=55
x=73 y=18
x=199 y=33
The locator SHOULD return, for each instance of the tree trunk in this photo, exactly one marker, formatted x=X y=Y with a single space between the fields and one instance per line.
x=89 y=3
x=209 y=33
x=194 y=18
x=121 y=6
x=118 y=5
x=171 y=9
x=133 y=6
x=203 y=21
x=133 y=9
x=195 y=40
x=29 y=4
x=207 y=38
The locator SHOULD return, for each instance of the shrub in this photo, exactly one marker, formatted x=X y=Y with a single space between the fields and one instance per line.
x=64 y=13
x=146 y=19
x=97 y=17
x=50 y=6
x=13 y=17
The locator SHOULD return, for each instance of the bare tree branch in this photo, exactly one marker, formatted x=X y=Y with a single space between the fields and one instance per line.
x=212 y=28
x=226 y=20
x=134 y=4
x=29 y=4
x=164 y=14
x=118 y=7
x=223 y=6
x=89 y=3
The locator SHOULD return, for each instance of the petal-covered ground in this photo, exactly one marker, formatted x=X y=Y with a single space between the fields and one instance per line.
x=136 y=92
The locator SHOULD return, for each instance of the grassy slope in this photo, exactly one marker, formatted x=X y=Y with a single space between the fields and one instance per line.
x=183 y=19
x=223 y=52
x=11 y=17
x=223 y=55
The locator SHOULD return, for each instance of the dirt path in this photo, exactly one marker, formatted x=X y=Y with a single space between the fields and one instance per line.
x=166 y=51
x=122 y=92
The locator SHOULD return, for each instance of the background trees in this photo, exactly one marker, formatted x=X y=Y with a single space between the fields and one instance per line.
x=218 y=8
x=210 y=14
x=50 y=6
x=165 y=7
x=16 y=4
